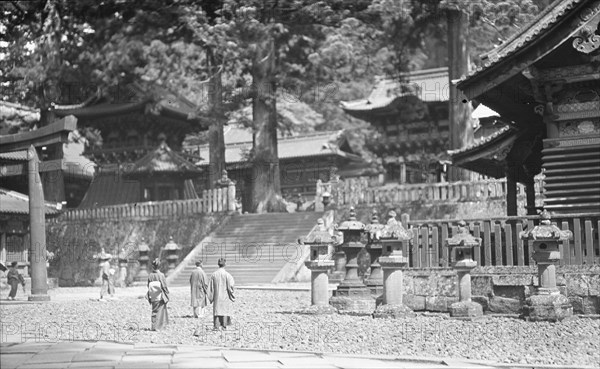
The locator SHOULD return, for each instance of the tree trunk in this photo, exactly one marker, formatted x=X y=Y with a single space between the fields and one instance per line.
x=461 y=128
x=216 y=138
x=266 y=187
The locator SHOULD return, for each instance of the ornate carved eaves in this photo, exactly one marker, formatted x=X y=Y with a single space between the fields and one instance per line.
x=570 y=74
x=587 y=38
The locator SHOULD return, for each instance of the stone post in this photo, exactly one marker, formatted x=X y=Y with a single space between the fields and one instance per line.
x=319 y=206
x=375 y=280
x=352 y=296
x=122 y=281
x=547 y=304
x=37 y=226
x=171 y=248
x=142 y=274
x=391 y=237
x=319 y=264
x=463 y=242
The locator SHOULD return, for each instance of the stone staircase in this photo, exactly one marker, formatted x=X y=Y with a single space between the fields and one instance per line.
x=256 y=246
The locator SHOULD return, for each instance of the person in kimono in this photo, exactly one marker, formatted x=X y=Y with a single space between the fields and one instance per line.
x=107 y=284
x=199 y=286
x=14 y=278
x=220 y=293
x=158 y=296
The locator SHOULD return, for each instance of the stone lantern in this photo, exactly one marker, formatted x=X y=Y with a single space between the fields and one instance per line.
x=352 y=296
x=123 y=259
x=320 y=241
x=463 y=242
x=171 y=248
x=375 y=280
x=391 y=237
x=142 y=274
x=547 y=303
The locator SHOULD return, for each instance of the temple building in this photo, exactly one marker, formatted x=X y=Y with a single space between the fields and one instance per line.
x=14 y=227
x=410 y=114
x=303 y=159
x=545 y=82
x=136 y=131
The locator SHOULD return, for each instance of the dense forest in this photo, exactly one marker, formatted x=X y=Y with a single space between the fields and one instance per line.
x=227 y=56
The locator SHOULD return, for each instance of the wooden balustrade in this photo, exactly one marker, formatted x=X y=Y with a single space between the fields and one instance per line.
x=212 y=201
x=355 y=191
x=501 y=244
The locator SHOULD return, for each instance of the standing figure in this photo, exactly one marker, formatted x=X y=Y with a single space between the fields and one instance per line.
x=199 y=286
x=107 y=284
x=220 y=293
x=14 y=278
x=158 y=296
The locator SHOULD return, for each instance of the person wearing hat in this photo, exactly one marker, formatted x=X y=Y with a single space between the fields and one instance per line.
x=199 y=285
x=158 y=296
x=13 y=278
x=107 y=284
x=220 y=293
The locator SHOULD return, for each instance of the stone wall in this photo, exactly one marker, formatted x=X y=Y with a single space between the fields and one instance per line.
x=500 y=289
x=75 y=242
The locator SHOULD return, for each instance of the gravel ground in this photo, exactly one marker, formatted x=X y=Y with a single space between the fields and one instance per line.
x=266 y=320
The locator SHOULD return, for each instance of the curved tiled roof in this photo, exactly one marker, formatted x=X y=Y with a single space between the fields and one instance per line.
x=496 y=136
x=18 y=203
x=547 y=18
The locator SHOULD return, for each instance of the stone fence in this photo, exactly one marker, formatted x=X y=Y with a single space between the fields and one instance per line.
x=500 y=289
x=357 y=191
x=212 y=201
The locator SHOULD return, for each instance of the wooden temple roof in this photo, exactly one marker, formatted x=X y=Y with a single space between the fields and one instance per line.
x=429 y=85
x=18 y=203
x=145 y=100
x=163 y=160
x=238 y=142
x=537 y=32
x=487 y=156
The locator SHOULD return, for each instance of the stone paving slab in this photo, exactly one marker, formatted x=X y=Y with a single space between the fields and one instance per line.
x=93 y=355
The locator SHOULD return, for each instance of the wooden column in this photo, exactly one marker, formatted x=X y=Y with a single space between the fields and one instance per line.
x=530 y=193
x=511 y=191
x=3 y=248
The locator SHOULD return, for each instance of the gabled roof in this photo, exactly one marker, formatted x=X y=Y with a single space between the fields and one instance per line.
x=306 y=145
x=18 y=203
x=163 y=160
x=429 y=85
x=533 y=31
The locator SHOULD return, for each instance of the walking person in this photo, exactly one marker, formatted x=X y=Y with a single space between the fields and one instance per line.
x=14 y=278
x=158 y=296
x=199 y=286
x=107 y=284
x=220 y=293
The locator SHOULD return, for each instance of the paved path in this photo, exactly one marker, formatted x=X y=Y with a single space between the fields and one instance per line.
x=81 y=354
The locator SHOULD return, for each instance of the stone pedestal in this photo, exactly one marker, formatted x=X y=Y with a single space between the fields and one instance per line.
x=375 y=280
x=122 y=281
x=393 y=282
x=319 y=287
x=339 y=270
x=547 y=304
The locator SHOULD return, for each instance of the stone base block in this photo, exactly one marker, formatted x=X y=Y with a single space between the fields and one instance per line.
x=466 y=309
x=553 y=308
x=393 y=311
x=376 y=290
x=39 y=298
x=319 y=310
x=353 y=306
